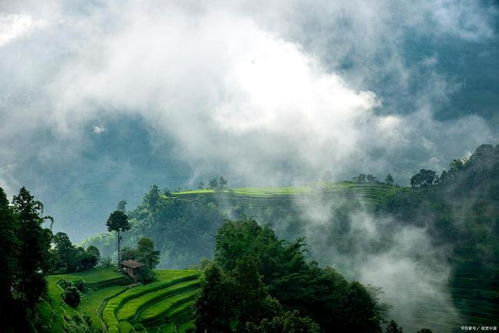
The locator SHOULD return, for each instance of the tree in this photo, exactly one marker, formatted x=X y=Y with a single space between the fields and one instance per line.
x=65 y=260
x=129 y=253
x=213 y=184
x=201 y=185
x=389 y=180
x=253 y=301
x=146 y=253
x=360 y=179
x=424 y=178
x=371 y=178
x=222 y=183
x=34 y=248
x=289 y=322
x=9 y=249
x=320 y=293
x=118 y=222
x=214 y=306
x=93 y=251
x=392 y=327
x=152 y=197
x=424 y=330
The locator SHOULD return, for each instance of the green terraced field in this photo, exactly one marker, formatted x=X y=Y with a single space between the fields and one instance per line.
x=114 y=306
x=252 y=197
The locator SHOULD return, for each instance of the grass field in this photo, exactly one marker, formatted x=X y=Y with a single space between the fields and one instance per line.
x=113 y=306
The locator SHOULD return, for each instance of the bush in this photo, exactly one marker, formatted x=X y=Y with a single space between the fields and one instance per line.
x=81 y=285
x=106 y=262
x=71 y=296
x=145 y=275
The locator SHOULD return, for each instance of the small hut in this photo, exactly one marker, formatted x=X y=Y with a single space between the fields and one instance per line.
x=130 y=268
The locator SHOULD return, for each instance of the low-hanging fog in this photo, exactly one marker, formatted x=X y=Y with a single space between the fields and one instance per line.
x=101 y=99
x=401 y=259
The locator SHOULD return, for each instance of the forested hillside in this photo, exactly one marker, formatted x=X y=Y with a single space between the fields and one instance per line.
x=458 y=211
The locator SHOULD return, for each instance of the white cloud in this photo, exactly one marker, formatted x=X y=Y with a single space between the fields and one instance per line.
x=241 y=89
x=14 y=26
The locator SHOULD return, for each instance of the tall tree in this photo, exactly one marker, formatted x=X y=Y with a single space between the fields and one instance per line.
x=222 y=183
x=215 y=306
x=9 y=247
x=118 y=222
x=34 y=249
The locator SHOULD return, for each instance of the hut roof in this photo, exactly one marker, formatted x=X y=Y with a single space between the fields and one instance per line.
x=132 y=264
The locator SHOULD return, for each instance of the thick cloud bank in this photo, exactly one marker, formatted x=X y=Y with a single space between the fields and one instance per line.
x=252 y=90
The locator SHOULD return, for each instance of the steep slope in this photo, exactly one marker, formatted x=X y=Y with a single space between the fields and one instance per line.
x=110 y=303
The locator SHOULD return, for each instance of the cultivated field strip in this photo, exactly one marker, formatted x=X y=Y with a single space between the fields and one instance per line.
x=124 y=311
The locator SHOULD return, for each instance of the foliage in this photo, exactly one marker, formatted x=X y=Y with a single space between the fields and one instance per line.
x=365 y=179
x=118 y=222
x=9 y=249
x=289 y=322
x=71 y=296
x=106 y=262
x=129 y=253
x=461 y=211
x=145 y=274
x=67 y=258
x=146 y=253
x=94 y=251
x=217 y=184
x=34 y=249
x=424 y=178
x=262 y=271
x=392 y=327
x=214 y=308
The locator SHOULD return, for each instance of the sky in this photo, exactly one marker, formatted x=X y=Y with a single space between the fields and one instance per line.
x=99 y=100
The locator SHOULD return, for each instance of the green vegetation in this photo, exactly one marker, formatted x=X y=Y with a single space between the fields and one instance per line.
x=257 y=281
x=256 y=276
x=457 y=209
x=461 y=208
x=24 y=248
x=118 y=222
x=67 y=258
x=111 y=304
x=128 y=305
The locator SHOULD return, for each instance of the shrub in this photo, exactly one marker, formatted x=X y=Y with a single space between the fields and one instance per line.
x=71 y=296
x=106 y=262
x=80 y=285
x=145 y=275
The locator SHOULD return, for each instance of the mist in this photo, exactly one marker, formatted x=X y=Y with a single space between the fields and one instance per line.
x=223 y=81
x=401 y=259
